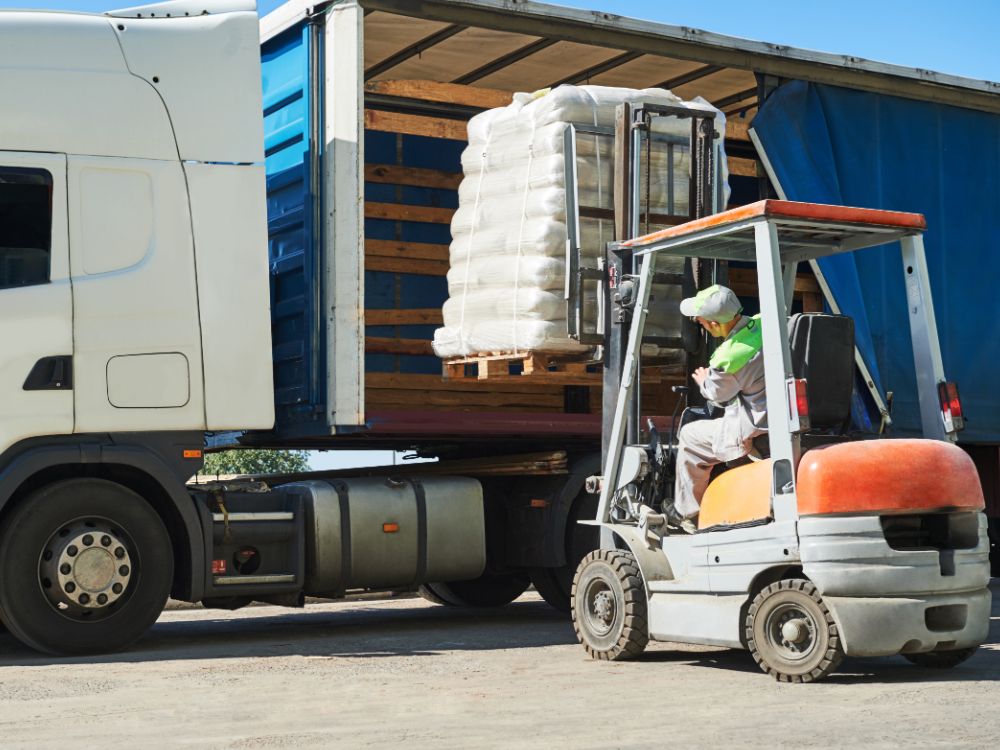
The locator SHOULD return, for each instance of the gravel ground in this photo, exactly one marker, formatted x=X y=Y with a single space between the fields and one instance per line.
x=366 y=674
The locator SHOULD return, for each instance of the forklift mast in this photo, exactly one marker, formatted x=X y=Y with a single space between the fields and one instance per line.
x=633 y=140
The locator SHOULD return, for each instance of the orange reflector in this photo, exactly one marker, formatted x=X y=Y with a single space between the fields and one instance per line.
x=390 y=528
x=192 y=454
x=536 y=503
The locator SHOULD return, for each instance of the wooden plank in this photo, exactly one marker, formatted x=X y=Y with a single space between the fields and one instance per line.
x=415 y=316
x=744 y=281
x=404 y=212
x=812 y=302
x=737 y=129
x=449 y=93
x=395 y=175
x=406 y=265
x=432 y=127
x=425 y=399
x=408 y=250
x=742 y=167
x=382 y=345
x=423 y=382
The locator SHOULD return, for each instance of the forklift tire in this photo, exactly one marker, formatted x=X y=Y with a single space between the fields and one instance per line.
x=87 y=566
x=791 y=634
x=609 y=606
x=941 y=659
x=489 y=590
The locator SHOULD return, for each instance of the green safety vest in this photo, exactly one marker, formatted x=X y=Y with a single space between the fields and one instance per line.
x=733 y=353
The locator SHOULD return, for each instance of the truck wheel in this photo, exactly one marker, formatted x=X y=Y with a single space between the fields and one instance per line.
x=489 y=590
x=87 y=567
x=609 y=606
x=427 y=591
x=941 y=659
x=791 y=633
x=556 y=584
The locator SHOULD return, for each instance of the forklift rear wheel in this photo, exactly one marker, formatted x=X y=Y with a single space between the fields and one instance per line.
x=609 y=606
x=489 y=590
x=791 y=633
x=941 y=659
x=87 y=566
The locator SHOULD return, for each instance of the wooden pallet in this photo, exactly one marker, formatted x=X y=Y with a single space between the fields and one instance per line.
x=500 y=366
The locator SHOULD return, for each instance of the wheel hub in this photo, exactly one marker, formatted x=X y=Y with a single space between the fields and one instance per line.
x=602 y=608
x=85 y=568
x=792 y=632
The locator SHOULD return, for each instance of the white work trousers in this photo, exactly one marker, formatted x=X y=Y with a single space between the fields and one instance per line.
x=695 y=459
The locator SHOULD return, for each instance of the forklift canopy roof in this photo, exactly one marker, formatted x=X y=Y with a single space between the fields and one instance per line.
x=805 y=231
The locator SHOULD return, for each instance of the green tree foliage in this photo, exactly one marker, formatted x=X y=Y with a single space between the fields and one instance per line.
x=255 y=462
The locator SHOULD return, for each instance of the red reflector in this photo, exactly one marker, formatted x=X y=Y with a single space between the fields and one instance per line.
x=218 y=567
x=798 y=404
x=537 y=503
x=951 y=407
x=390 y=528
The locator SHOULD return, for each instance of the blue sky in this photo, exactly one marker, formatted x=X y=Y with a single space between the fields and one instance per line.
x=955 y=37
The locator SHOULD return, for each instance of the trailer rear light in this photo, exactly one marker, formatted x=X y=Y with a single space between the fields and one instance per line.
x=798 y=404
x=951 y=407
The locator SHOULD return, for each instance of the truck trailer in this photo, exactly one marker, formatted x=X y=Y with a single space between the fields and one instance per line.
x=144 y=164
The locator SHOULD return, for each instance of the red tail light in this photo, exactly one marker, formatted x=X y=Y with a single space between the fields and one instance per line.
x=951 y=407
x=798 y=404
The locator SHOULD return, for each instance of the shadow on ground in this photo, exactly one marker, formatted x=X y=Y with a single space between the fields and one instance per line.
x=354 y=632
x=359 y=631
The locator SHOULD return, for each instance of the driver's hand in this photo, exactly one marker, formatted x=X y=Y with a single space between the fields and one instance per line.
x=699 y=375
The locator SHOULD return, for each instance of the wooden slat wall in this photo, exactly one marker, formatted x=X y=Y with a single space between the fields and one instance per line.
x=423 y=391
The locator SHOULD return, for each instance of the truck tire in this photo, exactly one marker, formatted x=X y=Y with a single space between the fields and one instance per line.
x=555 y=585
x=609 y=606
x=427 y=592
x=489 y=590
x=87 y=567
x=941 y=659
x=791 y=634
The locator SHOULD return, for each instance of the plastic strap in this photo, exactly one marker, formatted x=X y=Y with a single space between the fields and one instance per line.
x=520 y=231
x=472 y=237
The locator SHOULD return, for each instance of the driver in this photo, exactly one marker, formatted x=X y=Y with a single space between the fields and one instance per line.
x=734 y=380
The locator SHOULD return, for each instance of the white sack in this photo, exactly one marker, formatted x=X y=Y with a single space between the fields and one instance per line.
x=508 y=252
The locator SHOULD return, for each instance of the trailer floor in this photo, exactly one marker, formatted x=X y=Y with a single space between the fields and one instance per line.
x=380 y=673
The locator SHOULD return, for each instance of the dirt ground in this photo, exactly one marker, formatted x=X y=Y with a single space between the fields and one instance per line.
x=384 y=673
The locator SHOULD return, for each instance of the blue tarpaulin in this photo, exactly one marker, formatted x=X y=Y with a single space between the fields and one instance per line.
x=834 y=145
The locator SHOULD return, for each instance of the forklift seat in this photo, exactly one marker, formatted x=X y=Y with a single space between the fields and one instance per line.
x=822 y=349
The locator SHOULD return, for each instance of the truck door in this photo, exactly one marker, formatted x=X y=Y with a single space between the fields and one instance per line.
x=36 y=303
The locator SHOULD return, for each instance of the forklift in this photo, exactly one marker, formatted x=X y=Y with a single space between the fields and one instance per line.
x=826 y=544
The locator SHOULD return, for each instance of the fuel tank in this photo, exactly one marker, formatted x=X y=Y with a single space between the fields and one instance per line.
x=378 y=532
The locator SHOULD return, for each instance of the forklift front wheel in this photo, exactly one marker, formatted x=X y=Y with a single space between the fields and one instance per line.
x=608 y=604
x=791 y=633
